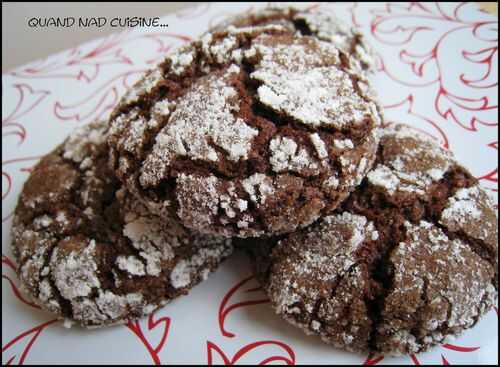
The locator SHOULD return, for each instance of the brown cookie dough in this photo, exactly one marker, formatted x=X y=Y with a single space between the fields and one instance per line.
x=325 y=26
x=246 y=132
x=409 y=259
x=92 y=254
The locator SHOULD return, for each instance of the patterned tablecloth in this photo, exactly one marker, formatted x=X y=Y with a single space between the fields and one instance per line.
x=437 y=71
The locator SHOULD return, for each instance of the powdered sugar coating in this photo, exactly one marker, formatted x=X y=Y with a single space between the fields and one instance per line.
x=427 y=271
x=318 y=23
x=259 y=187
x=314 y=268
x=193 y=145
x=145 y=85
x=75 y=273
x=446 y=301
x=84 y=232
x=201 y=198
x=319 y=145
x=411 y=164
x=203 y=117
x=131 y=264
x=185 y=271
x=306 y=86
x=471 y=211
x=285 y=156
x=182 y=59
x=81 y=142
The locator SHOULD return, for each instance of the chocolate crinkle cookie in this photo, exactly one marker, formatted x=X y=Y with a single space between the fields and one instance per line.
x=408 y=261
x=247 y=132
x=90 y=252
x=324 y=25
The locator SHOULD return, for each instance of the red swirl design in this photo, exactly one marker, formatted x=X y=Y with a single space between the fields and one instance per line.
x=458 y=348
x=143 y=334
x=404 y=26
x=441 y=59
x=28 y=100
x=226 y=308
x=372 y=360
x=80 y=63
x=99 y=101
x=288 y=358
x=30 y=336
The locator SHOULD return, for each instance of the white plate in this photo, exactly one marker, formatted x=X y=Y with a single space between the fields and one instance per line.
x=437 y=72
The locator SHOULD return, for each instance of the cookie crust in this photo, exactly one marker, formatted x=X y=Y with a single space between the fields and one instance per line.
x=325 y=26
x=409 y=261
x=92 y=254
x=248 y=132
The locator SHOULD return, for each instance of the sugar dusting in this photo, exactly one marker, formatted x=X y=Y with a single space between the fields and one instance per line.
x=73 y=270
x=309 y=87
x=286 y=156
x=203 y=117
x=412 y=164
x=453 y=299
x=200 y=119
x=316 y=259
x=471 y=211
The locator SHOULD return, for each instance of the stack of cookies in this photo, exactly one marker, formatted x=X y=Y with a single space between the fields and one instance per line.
x=264 y=134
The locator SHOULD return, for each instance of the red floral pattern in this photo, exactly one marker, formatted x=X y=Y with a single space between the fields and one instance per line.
x=226 y=308
x=288 y=356
x=163 y=323
x=437 y=71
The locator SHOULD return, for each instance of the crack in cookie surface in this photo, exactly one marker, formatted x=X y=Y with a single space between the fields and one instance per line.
x=317 y=144
x=324 y=25
x=428 y=273
x=91 y=253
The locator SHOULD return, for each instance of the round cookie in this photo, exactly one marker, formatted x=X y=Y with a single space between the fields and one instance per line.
x=408 y=261
x=247 y=132
x=320 y=24
x=90 y=252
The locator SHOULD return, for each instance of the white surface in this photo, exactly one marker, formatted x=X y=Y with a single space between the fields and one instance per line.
x=45 y=100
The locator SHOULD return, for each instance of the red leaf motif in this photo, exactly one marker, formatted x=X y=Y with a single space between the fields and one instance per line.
x=463 y=96
x=81 y=64
x=372 y=360
x=164 y=42
x=463 y=111
x=99 y=101
x=139 y=331
x=29 y=336
x=458 y=348
x=486 y=57
x=7 y=185
x=401 y=34
x=84 y=64
x=260 y=350
x=28 y=100
x=224 y=309
x=415 y=360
